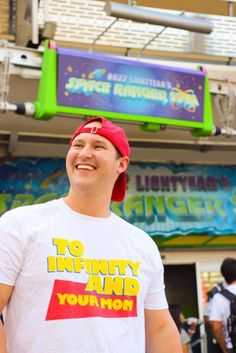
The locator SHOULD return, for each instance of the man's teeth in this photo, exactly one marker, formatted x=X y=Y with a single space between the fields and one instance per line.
x=84 y=167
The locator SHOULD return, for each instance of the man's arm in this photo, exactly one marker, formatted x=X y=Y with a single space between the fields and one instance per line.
x=161 y=332
x=185 y=348
x=5 y=294
x=3 y=345
x=217 y=328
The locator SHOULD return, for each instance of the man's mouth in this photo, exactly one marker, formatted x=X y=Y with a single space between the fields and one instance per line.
x=84 y=167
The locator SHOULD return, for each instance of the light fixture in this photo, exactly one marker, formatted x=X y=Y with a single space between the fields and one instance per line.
x=138 y=14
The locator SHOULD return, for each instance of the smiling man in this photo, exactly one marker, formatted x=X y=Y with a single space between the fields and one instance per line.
x=77 y=278
x=94 y=164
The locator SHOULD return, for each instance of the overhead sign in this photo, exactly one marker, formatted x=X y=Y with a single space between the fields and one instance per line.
x=75 y=82
x=162 y=199
x=101 y=83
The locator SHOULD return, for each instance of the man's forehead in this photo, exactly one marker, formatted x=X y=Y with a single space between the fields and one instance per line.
x=84 y=136
x=94 y=135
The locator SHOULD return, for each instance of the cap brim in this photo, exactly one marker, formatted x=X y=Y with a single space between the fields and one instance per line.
x=118 y=193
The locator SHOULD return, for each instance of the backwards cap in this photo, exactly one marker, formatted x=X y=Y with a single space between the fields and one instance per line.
x=118 y=138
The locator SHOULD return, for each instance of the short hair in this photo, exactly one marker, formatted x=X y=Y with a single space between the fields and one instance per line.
x=228 y=269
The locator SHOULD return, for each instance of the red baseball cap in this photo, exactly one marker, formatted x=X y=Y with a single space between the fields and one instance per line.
x=118 y=138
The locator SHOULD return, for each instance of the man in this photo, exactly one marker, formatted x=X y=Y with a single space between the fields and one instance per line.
x=220 y=307
x=212 y=344
x=76 y=277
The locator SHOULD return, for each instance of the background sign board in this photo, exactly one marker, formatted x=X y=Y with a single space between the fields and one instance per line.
x=162 y=199
x=75 y=82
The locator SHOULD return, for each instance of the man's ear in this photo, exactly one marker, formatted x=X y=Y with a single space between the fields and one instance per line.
x=123 y=164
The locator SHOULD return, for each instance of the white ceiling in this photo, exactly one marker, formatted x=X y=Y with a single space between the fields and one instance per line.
x=87 y=24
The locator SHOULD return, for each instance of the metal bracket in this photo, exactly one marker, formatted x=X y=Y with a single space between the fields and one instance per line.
x=4 y=81
x=154 y=38
x=21 y=56
x=225 y=105
x=13 y=142
x=101 y=34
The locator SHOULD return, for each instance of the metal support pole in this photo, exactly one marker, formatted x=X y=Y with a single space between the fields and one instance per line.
x=101 y=34
x=4 y=80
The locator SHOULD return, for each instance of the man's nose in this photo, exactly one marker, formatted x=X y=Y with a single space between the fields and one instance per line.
x=86 y=151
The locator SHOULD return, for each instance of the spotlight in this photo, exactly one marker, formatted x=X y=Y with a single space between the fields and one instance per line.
x=138 y=14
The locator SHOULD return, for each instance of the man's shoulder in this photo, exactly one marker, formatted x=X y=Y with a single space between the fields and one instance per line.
x=123 y=223
x=232 y=288
x=133 y=231
x=30 y=210
x=220 y=298
x=216 y=289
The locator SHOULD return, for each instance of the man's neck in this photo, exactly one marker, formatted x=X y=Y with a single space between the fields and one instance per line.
x=89 y=206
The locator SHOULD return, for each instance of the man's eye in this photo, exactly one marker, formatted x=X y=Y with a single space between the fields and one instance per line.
x=98 y=147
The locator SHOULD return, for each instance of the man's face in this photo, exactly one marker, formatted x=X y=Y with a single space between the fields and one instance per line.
x=92 y=162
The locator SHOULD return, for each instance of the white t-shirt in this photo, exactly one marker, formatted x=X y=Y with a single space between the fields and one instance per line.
x=81 y=283
x=218 y=287
x=185 y=339
x=220 y=311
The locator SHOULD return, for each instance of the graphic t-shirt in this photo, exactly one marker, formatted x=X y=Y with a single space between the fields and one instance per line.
x=81 y=283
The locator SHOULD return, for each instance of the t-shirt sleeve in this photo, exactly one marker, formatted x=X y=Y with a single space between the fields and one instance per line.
x=11 y=248
x=185 y=339
x=207 y=308
x=156 y=298
x=216 y=308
